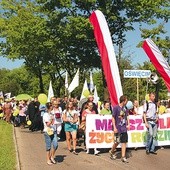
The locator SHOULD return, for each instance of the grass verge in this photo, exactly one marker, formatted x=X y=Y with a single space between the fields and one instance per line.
x=7 y=148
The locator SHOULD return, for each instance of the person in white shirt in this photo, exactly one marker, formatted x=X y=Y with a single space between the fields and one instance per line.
x=50 y=134
x=151 y=122
x=57 y=112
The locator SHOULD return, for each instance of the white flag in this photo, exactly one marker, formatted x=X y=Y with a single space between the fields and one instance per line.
x=1 y=94
x=7 y=95
x=96 y=97
x=66 y=80
x=91 y=83
x=85 y=89
x=74 y=83
x=50 y=92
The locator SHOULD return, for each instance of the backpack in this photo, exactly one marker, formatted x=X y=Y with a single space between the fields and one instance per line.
x=147 y=107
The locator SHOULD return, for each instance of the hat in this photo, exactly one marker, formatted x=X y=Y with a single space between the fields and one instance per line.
x=90 y=96
x=7 y=100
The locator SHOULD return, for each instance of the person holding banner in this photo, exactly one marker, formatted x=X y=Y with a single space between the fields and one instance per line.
x=106 y=110
x=90 y=99
x=89 y=110
x=120 y=120
x=151 y=119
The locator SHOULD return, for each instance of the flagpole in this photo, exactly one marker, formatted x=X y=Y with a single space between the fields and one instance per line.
x=66 y=83
x=65 y=91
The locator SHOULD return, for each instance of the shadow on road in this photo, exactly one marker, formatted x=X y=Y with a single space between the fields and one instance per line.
x=60 y=158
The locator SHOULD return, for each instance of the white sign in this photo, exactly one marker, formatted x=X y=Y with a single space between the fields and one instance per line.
x=137 y=73
x=99 y=132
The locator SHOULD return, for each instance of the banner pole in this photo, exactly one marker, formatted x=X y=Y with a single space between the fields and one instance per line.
x=147 y=87
x=137 y=90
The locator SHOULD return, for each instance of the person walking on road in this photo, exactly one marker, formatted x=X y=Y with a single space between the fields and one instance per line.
x=70 y=118
x=50 y=134
x=151 y=119
x=57 y=112
x=120 y=120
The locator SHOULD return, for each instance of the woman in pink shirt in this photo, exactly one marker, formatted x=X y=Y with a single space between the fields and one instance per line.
x=88 y=110
x=22 y=115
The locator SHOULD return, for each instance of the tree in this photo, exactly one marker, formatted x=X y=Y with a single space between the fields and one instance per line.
x=23 y=29
x=158 y=35
x=54 y=36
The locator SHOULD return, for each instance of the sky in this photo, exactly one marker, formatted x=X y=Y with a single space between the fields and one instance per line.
x=133 y=38
x=138 y=55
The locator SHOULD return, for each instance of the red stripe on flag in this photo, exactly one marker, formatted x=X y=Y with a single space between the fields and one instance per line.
x=105 y=59
x=157 y=63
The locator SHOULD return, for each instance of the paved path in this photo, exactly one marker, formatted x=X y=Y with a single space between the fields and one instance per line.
x=32 y=156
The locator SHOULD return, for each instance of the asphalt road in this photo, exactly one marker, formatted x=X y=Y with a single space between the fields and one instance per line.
x=30 y=148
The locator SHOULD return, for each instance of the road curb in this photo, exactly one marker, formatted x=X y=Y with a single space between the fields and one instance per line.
x=16 y=150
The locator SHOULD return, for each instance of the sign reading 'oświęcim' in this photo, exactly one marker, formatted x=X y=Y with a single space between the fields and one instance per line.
x=136 y=73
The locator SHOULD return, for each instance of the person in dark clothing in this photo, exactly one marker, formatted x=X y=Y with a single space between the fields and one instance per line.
x=31 y=112
x=34 y=115
x=37 y=118
x=63 y=103
x=63 y=107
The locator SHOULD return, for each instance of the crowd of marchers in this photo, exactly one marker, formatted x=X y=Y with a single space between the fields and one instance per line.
x=65 y=118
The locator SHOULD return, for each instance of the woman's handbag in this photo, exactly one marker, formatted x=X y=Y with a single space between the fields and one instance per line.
x=50 y=131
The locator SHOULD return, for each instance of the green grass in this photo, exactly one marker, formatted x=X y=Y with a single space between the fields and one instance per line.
x=7 y=148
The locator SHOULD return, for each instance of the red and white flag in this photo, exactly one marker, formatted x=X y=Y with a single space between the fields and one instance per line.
x=157 y=60
x=108 y=57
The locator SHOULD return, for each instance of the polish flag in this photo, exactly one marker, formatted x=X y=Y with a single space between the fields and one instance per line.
x=157 y=60
x=108 y=57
